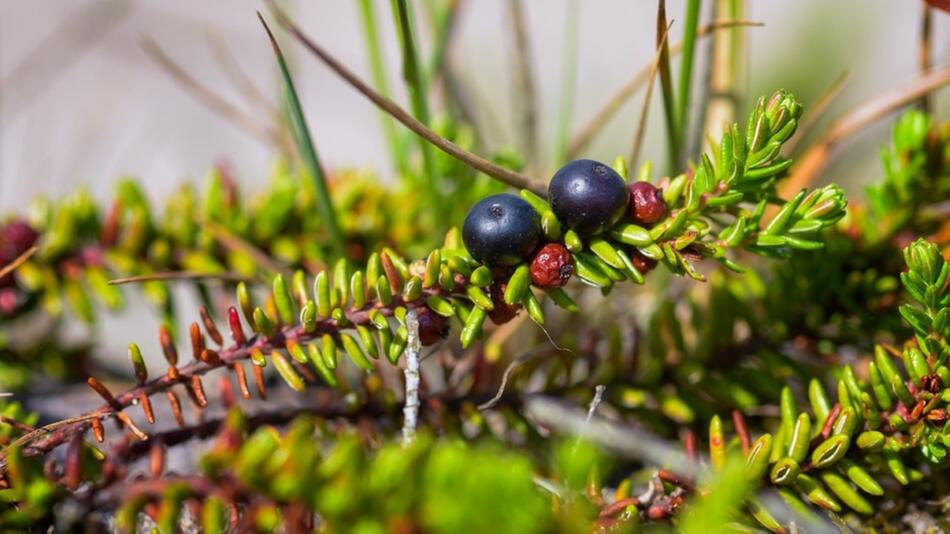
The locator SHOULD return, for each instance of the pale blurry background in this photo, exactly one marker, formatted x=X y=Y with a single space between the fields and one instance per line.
x=81 y=103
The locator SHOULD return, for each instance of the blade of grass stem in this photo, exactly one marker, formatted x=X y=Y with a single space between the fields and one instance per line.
x=595 y=125
x=726 y=59
x=686 y=72
x=308 y=153
x=507 y=176
x=527 y=105
x=419 y=103
x=568 y=80
x=444 y=25
x=378 y=72
x=666 y=86
x=925 y=52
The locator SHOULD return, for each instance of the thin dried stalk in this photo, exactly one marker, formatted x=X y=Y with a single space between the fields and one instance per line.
x=179 y=275
x=512 y=178
x=18 y=261
x=638 y=133
x=816 y=111
x=586 y=134
x=723 y=89
x=208 y=97
x=814 y=160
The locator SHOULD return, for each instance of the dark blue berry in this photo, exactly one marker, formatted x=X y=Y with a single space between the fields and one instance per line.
x=501 y=230
x=588 y=196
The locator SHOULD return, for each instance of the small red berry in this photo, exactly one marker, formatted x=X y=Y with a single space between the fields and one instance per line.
x=503 y=312
x=646 y=203
x=552 y=266
x=432 y=327
x=641 y=262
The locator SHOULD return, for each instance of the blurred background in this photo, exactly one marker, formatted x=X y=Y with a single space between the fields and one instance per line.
x=82 y=103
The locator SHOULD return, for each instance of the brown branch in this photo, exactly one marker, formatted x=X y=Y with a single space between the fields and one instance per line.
x=814 y=160
x=586 y=134
x=59 y=433
x=512 y=178
x=18 y=261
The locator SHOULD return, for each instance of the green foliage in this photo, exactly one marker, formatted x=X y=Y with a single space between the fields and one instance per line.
x=836 y=377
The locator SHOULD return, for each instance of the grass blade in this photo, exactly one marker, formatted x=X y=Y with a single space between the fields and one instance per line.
x=419 y=102
x=609 y=109
x=727 y=58
x=686 y=72
x=308 y=153
x=378 y=72
x=507 y=176
x=666 y=86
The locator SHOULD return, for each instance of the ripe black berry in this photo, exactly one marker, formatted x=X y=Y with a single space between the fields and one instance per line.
x=646 y=203
x=501 y=230
x=552 y=266
x=587 y=196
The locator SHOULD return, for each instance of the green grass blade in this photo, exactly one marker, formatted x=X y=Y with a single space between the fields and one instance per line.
x=443 y=25
x=686 y=71
x=378 y=72
x=311 y=162
x=666 y=86
x=418 y=99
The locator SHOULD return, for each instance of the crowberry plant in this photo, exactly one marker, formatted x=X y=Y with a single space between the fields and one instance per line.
x=707 y=349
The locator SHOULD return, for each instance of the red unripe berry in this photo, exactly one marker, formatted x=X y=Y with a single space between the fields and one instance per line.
x=641 y=262
x=646 y=203
x=552 y=266
x=503 y=312
x=432 y=326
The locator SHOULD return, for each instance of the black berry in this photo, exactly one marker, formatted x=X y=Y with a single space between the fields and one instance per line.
x=587 y=196
x=552 y=266
x=501 y=230
x=646 y=203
